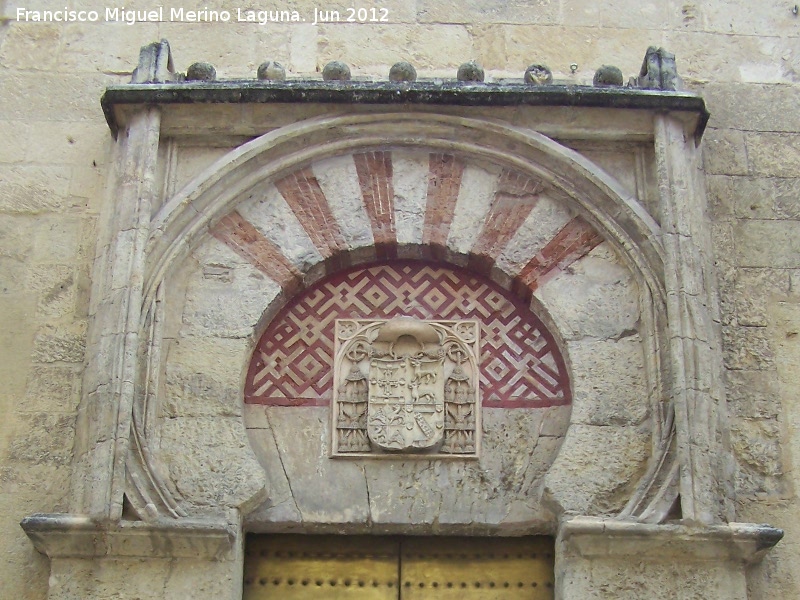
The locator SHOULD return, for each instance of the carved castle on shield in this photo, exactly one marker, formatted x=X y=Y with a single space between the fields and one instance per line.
x=406 y=386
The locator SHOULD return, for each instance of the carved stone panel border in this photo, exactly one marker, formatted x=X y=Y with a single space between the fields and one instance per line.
x=406 y=387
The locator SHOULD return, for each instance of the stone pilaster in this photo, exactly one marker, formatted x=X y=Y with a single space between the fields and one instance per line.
x=104 y=415
x=693 y=330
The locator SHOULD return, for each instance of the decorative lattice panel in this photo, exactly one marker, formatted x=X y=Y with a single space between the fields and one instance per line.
x=520 y=365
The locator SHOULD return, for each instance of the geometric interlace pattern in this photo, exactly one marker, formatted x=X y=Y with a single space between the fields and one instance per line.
x=520 y=364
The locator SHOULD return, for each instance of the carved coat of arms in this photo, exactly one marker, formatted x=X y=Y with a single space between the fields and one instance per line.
x=405 y=386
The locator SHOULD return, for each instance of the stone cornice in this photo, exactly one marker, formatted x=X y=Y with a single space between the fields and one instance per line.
x=445 y=93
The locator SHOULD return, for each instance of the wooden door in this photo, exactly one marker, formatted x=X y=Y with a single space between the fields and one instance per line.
x=297 y=567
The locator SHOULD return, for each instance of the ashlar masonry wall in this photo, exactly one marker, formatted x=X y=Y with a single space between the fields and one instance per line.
x=56 y=154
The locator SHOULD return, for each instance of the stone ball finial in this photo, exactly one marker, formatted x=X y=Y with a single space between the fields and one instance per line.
x=336 y=71
x=470 y=71
x=538 y=75
x=607 y=75
x=402 y=71
x=271 y=71
x=201 y=71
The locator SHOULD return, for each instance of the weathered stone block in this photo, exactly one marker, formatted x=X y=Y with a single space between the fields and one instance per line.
x=73 y=143
x=190 y=393
x=87 y=183
x=144 y=579
x=785 y=336
x=31 y=46
x=595 y=297
x=238 y=48
x=280 y=507
x=323 y=491
x=43 y=439
x=474 y=201
x=766 y=198
x=752 y=107
x=192 y=161
x=10 y=130
x=555 y=421
x=16 y=236
x=53 y=388
x=759 y=462
x=773 y=154
x=620 y=164
x=13 y=275
x=542 y=224
x=615 y=14
x=338 y=180
x=724 y=152
x=210 y=298
x=756 y=443
x=56 y=288
x=747 y=348
x=211 y=463
x=16 y=342
x=203 y=377
x=410 y=182
x=726 y=270
x=22 y=98
x=754 y=289
x=609 y=383
x=722 y=195
x=304 y=41
x=371 y=50
x=61 y=239
x=753 y=394
x=107 y=46
x=60 y=345
x=33 y=189
x=734 y=58
x=500 y=489
x=561 y=46
x=25 y=571
x=585 y=480
x=630 y=579
x=268 y=208
x=35 y=486
x=772 y=244
x=485 y=11
x=731 y=18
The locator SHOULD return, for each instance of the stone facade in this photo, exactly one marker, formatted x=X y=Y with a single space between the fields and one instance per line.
x=138 y=274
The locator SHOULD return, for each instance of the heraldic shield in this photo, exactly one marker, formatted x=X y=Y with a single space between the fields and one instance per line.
x=406 y=401
x=406 y=386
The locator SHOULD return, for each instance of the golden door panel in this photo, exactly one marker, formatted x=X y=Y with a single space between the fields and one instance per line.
x=410 y=568
x=486 y=568
x=297 y=567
